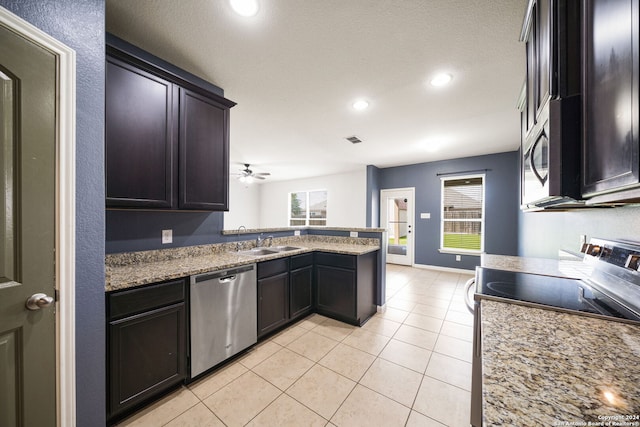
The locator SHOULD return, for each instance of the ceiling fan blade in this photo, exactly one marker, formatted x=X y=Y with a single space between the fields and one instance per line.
x=258 y=176
x=262 y=173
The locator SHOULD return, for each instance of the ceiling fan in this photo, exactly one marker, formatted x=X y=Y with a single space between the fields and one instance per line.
x=246 y=175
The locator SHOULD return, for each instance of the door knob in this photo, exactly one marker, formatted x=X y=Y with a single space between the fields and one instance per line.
x=38 y=301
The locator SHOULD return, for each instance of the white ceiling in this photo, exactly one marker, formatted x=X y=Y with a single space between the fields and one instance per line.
x=296 y=68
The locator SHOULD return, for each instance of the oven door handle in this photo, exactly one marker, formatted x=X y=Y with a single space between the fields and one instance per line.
x=467 y=298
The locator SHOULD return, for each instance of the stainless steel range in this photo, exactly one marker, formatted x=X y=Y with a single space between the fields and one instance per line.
x=608 y=287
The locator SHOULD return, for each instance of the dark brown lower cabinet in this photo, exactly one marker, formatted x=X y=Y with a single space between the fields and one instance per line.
x=336 y=291
x=273 y=295
x=301 y=285
x=346 y=286
x=146 y=345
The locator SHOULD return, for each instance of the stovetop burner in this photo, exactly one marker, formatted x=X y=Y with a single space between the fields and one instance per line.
x=569 y=294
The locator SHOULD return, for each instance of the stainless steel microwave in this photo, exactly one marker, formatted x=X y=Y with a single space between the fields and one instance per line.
x=550 y=159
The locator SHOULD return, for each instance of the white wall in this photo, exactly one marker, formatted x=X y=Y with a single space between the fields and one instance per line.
x=346 y=204
x=244 y=206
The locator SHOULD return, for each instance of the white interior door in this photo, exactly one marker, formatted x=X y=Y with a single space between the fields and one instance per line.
x=397 y=216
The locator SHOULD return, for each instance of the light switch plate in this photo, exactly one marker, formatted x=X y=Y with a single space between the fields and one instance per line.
x=425 y=215
x=458 y=258
x=353 y=234
x=167 y=236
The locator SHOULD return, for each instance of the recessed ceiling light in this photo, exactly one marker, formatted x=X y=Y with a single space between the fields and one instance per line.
x=434 y=144
x=360 y=105
x=246 y=8
x=441 y=79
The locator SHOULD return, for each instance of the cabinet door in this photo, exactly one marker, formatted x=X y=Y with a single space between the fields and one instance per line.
x=301 y=291
x=531 y=83
x=336 y=291
x=543 y=55
x=139 y=138
x=204 y=153
x=273 y=303
x=610 y=137
x=147 y=355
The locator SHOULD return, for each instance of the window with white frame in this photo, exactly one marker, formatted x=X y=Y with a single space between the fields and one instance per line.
x=462 y=214
x=308 y=208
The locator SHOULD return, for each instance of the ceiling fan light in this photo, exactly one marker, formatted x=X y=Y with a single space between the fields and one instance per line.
x=246 y=8
x=248 y=179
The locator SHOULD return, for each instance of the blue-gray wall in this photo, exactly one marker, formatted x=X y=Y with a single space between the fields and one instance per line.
x=142 y=230
x=80 y=25
x=542 y=234
x=501 y=204
x=373 y=196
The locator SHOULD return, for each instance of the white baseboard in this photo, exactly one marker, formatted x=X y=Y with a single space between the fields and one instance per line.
x=447 y=269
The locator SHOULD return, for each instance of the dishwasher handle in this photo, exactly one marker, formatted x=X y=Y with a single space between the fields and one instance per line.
x=224 y=276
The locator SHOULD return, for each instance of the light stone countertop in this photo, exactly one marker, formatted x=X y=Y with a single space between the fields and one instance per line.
x=278 y=229
x=544 y=367
x=129 y=270
x=570 y=268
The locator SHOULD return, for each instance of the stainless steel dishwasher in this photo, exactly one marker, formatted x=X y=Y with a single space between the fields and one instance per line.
x=223 y=315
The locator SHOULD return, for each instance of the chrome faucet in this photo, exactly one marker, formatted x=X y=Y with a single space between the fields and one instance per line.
x=260 y=240
x=238 y=243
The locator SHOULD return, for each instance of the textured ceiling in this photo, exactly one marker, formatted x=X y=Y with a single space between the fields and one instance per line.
x=296 y=68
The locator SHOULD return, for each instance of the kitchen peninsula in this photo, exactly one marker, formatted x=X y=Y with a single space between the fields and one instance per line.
x=548 y=367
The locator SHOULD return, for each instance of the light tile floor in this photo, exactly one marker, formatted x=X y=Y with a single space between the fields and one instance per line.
x=407 y=366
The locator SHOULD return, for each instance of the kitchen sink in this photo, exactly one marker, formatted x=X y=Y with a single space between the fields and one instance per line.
x=284 y=248
x=259 y=252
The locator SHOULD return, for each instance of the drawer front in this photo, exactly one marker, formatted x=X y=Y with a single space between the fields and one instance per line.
x=138 y=300
x=299 y=261
x=336 y=260
x=273 y=267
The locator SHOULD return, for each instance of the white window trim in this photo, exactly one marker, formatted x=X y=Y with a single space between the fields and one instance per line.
x=481 y=221
x=307 y=218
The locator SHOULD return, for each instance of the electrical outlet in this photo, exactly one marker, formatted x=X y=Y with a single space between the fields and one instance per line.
x=353 y=234
x=167 y=236
x=458 y=258
x=425 y=215
x=296 y=233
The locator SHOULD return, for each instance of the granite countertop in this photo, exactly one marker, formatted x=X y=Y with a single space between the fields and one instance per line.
x=125 y=271
x=277 y=229
x=549 y=368
x=570 y=268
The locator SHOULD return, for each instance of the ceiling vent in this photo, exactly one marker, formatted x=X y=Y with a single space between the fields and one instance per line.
x=354 y=139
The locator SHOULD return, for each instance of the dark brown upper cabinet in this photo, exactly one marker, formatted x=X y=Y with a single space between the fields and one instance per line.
x=611 y=155
x=550 y=104
x=204 y=152
x=167 y=135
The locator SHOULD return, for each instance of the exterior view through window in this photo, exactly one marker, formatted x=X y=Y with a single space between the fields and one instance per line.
x=462 y=228
x=308 y=208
